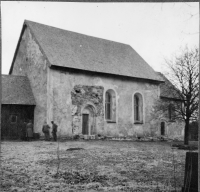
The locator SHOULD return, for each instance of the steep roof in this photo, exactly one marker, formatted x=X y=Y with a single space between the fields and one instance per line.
x=16 y=90
x=73 y=50
x=167 y=89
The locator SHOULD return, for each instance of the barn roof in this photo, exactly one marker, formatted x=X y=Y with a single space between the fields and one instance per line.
x=167 y=89
x=73 y=50
x=16 y=90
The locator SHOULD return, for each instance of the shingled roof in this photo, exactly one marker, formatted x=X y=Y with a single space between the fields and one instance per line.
x=16 y=90
x=168 y=90
x=73 y=50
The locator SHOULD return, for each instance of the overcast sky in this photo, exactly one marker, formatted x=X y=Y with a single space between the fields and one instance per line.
x=155 y=30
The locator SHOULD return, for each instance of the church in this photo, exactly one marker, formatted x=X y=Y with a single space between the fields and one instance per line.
x=86 y=85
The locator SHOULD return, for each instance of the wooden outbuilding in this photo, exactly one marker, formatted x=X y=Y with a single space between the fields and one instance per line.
x=17 y=105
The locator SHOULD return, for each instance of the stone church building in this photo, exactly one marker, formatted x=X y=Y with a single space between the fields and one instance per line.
x=88 y=85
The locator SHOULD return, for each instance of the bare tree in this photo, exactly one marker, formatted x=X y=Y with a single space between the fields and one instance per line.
x=183 y=88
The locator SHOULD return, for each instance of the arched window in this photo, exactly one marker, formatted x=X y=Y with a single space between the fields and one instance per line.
x=110 y=105
x=138 y=108
x=171 y=111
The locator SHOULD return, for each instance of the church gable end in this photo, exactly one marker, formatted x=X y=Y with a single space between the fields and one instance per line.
x=30 y=61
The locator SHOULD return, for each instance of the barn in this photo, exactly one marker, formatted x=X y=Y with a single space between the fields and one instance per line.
x=18 y=105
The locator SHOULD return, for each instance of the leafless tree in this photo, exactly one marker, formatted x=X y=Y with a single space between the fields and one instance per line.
x=183 y=89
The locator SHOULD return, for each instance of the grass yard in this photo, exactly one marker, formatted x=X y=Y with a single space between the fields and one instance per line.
x=94 y=166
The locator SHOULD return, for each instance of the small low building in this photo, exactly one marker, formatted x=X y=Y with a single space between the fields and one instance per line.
x=17 y=107
x=169 y=123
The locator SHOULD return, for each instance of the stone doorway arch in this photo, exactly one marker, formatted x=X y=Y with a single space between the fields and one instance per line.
x=88 y=120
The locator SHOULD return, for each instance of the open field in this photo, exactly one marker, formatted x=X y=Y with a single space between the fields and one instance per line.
x=94 y=166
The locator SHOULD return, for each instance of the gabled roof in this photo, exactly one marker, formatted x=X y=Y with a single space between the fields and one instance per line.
x=16 y=90
x=168 y=90
x=73 y=50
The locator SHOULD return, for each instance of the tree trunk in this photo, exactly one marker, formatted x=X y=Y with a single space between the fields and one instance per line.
x=186 y=137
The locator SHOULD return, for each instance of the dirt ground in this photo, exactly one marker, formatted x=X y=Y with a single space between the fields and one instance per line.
x=91 y=166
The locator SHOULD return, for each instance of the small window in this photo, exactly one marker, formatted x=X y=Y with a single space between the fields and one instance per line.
x=171 y=111
x=138 y=108
x=110 y=106
x=13 y=118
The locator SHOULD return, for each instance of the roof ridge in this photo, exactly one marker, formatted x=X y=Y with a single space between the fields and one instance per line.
x=14 y=75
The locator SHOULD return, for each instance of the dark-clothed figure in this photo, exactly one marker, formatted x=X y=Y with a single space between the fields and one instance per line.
x=29 y=130
x=45 y=130
x=23 y=131
x=54 y=131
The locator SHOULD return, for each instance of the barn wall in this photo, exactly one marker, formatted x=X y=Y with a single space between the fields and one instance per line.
x=23 y=113
x=63 y=84
x=31 y=62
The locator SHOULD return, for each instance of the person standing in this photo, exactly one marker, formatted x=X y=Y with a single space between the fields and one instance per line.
x=29 y=130
x=54 y=131
x=45 y=130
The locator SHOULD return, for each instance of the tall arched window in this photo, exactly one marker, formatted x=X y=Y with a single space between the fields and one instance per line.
x=138 y=108
x=171 y=111
x=110 y=105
